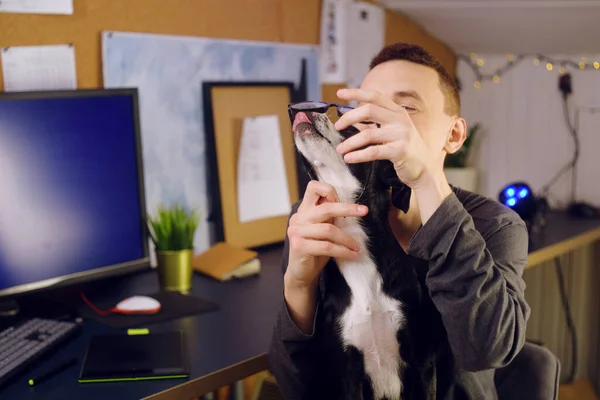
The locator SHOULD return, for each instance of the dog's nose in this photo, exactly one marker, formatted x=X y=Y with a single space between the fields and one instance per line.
x=300 y=117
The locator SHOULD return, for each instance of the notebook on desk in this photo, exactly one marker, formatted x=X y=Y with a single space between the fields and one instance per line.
x=224 y=262
x=123 y=357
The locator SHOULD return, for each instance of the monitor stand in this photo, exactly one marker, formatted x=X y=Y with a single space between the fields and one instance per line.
x=8 y=308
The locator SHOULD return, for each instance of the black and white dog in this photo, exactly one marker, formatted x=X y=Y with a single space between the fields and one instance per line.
x=382 y=338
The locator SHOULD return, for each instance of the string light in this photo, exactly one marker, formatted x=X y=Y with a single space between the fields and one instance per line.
x=476 y=62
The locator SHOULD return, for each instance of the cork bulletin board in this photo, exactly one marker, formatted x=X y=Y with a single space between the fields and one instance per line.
x=226 y=105
x=274 y=20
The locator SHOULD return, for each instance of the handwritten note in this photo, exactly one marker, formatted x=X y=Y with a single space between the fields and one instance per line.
x=262 y=185
x=27 y=68
x=37 y=6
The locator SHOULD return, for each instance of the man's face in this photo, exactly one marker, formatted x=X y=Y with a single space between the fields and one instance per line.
x=417 y=89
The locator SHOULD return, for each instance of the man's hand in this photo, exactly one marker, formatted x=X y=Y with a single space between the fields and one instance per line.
x=312 y=236
x=397 y=140
x=313 y=240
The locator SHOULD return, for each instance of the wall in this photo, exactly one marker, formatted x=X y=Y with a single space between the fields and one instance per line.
x=268 y=20
x=525 y=134
x=525 y=137
x=400 y=28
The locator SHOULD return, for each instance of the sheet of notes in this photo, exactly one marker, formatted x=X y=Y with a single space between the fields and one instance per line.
x=262 y=187
x=28 y=68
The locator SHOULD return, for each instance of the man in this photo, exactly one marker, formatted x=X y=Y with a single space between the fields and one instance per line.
x=475 y=249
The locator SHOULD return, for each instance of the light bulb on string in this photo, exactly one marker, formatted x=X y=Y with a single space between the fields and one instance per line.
x=538 y=59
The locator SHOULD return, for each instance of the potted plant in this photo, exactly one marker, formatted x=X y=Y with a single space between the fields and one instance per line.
x=456 y=167
x=173 y=236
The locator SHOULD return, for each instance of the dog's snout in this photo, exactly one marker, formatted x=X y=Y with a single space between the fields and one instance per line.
x=300 y=118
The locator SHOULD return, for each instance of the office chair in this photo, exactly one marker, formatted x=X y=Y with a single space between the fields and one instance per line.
x=534 y=374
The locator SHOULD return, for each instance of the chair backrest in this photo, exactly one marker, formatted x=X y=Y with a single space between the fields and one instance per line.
x=534 y=374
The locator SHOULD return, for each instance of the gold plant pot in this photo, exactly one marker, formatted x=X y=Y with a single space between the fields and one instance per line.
x=175 y=270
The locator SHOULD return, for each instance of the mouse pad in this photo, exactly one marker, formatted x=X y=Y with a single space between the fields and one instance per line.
x=173 y=305
x=120 y=357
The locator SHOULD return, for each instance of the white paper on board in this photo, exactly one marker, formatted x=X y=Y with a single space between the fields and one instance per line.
x=262 y=186
x=37 y=6
x=333 y=41
x=352 y=32
x=28 y=68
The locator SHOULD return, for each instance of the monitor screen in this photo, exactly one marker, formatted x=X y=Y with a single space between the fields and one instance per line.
x=71 y=187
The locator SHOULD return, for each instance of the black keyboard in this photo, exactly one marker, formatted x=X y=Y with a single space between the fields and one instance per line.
x=23 y=344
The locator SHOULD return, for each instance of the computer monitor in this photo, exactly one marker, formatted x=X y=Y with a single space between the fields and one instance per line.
x=72 y=204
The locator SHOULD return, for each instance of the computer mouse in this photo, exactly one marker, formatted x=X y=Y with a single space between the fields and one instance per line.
x=137 y=305
x=584 y=210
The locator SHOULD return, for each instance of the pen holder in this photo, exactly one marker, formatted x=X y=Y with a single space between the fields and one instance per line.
x=175 y=270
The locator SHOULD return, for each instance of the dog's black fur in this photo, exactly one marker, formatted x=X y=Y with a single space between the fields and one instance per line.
x=424 y=349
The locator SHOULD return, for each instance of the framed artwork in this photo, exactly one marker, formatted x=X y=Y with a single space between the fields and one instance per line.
x=228 y=106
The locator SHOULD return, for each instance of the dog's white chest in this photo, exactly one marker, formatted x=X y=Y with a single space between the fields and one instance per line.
x=372 y=320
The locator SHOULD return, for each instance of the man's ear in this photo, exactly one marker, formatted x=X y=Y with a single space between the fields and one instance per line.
x=456 y=137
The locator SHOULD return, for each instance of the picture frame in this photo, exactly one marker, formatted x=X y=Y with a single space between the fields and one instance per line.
x=226 y=104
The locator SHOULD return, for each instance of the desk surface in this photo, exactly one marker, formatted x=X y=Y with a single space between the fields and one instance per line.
x=224 y=346
x=231 y=343
x=563 y=233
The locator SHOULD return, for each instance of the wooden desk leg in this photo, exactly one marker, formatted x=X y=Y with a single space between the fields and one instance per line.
x=236 y=391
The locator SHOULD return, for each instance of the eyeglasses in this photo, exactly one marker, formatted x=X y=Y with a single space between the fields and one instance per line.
x=315 y=106
x=318 y=107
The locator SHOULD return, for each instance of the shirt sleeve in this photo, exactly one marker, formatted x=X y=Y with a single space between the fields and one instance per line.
x=294 y=355
x=294 y=358
x=475 y=283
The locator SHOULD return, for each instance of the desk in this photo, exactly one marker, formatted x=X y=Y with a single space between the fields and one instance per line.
x=230 y=344
x=562 y=234
x=224 y=345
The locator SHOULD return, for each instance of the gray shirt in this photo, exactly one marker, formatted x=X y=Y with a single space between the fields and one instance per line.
x=475 y=250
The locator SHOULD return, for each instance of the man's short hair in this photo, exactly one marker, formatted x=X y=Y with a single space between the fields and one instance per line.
x=416 y=54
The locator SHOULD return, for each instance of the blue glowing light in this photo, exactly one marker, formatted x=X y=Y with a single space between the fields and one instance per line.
x=523 y=193
x=510 y=192
x=511 y=202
